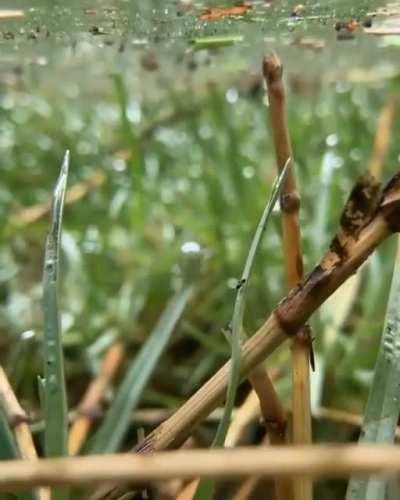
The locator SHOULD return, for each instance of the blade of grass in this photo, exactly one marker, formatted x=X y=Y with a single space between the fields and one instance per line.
x=240 y=304
x=383 y=406
x=130 y=137
x=131 y=142
x=117 y=420
x=55 y=410
x=8 y=448
x=206 y=488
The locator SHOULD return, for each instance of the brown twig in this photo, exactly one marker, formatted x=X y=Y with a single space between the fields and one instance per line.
x=90 y=405
x=271 y=408
x=280 y=461
x=274 y=417
x=362 y=229
x=290 y=199
x=248 y=413
x=273 y=414
x=154 y=416
x=342 y=417
x=290 y=206
x=262 y=401
x=18 y=420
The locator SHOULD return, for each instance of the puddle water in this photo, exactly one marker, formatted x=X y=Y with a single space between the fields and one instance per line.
x=87 y=39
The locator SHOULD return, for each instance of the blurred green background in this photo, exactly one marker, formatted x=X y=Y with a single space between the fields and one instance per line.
x=179 y=142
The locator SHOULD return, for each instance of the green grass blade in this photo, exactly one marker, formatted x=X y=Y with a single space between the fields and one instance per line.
x=116 y=422
x=8 y=448
x=383 y=405
x=55 y=409
x=130 y=137
x=9 y=451
x=206 y=487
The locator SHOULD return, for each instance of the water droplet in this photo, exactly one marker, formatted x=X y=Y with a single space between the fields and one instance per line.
x=190 y=247
x=232 y=95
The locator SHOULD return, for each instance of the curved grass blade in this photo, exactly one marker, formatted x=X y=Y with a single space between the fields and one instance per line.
x=205 y=489
x=383 y=405
x=116 y=422
x=8 y=448
x=55 y=408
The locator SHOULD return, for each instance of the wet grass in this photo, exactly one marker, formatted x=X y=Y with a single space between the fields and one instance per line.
x=175 y=176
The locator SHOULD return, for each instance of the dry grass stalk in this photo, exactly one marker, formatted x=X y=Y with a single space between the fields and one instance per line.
x=343 y=417
x=301 y=404
x=275 y=420
x=285 y=461
x=188 y=492
x=7 y=14
x=251 y=413
x=154 y=416
x=262 y=400
x=90 y=406
x=272 y=410
x=368 y=219
x=267 y=406
x=19 y=422
x=290 y=199
x=246 y=415
x=246 y=489
x=382 y=136
x=17 y=418
x=34 y=213
x=290 y=206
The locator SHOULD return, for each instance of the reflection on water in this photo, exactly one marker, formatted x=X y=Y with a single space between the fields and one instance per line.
x=84 y=40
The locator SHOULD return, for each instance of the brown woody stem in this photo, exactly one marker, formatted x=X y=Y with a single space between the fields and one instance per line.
x=341 y=261
x=290 y=207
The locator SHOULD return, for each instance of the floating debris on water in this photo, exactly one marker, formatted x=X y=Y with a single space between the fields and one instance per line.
x=309 y=43
x=214 y=13
x=389 y=26
x=215 y=42
x=298 y=10
x=90 y=12
x=96 y=30
x=149 y=61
